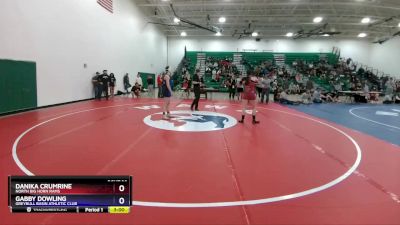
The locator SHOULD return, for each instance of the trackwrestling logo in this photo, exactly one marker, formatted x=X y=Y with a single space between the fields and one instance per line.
x=191 y=121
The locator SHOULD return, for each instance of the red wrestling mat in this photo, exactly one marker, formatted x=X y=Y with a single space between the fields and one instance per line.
x=204 y=167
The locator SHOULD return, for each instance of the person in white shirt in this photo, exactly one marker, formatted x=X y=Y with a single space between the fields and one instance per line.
x=317 y=96
x=214 y=75
x=366 y=92
x=139 y=80
x=306 y=97
x=291 y=88
x=266 y=86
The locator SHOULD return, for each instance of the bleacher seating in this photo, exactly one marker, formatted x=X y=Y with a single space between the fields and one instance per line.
x=244 y=61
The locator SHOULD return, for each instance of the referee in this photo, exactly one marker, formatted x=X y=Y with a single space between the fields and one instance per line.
x=196 y=90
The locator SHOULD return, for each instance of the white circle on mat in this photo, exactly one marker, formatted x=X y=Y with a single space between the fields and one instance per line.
x=310 y=191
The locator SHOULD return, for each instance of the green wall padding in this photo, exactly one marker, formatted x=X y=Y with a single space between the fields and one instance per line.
x=144 y=78
x=17 y=85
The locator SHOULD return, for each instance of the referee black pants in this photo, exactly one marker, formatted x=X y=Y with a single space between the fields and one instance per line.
x=196 y=99
x=232 y=93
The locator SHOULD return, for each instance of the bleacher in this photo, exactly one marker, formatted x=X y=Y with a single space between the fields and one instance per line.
x=245 y=61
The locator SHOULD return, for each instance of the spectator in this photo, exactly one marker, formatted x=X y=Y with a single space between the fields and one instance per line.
x=366 y=92
x=136 y=89
x=112 y=84
x=338 y=86
x=292 y=88
x=330 y=97
x=97 y=86
x=159 y=85
x=317 y=96
x=266 y=86
x=387 y=99
x=103 y=81
x=150 y=84
x=214 y=75
x=389 y=89
x=186 y=86
x=353 y=87
x=240 y=87
x=309 y=84
x=306 y=97
x=218 y=75
x=127 y=85
x=139 y=79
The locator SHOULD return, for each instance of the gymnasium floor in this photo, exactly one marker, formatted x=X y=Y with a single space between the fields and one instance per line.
x=380 y=121
x=300 y=165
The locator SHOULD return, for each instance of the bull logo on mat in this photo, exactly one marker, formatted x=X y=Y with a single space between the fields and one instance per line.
x=191 y=121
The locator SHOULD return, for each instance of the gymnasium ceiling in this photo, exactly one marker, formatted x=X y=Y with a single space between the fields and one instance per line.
x=275 y=18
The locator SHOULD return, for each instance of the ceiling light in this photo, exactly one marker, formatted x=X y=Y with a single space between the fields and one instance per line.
x=218 y=33
x=326 y=35
x=365 y=20
x=254 y=34
x=176 y=20
x=222 y=19
x=290 y=34
x=317 y=19
x=361 y=35
x=399 y=25
x=183 y=34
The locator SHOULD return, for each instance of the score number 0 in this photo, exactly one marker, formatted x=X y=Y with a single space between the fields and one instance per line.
x=121 y=200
